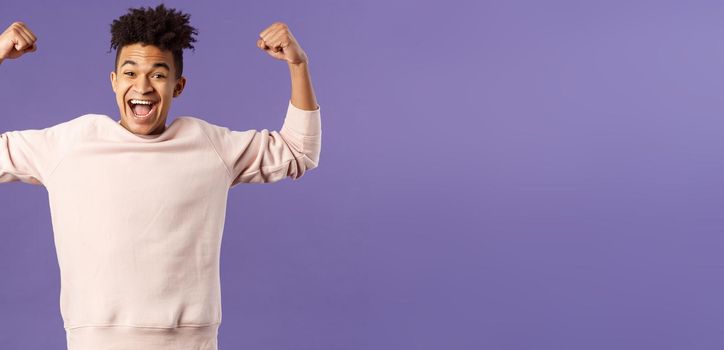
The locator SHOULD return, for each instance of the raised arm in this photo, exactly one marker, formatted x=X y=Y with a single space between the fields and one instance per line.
x=23 y=155
x=266 y=156
x=277 y=40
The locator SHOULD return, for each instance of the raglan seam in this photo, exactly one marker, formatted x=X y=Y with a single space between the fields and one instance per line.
x=226 y=167
x=69 y=149
x=63 y=157
x=50 y=175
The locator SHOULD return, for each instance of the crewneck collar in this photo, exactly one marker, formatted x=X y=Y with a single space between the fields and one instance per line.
x=127 y=134
x=165 y=127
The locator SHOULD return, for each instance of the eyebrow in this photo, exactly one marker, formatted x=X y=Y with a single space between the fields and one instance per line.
x=157 y=64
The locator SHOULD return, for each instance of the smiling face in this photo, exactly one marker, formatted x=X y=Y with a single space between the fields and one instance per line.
x=145 y=83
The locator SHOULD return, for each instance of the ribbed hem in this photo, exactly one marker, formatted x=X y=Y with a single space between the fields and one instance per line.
x=115 y=337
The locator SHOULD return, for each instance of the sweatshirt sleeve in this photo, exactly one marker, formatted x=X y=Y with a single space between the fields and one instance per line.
x=27 y=155
x=265 y=156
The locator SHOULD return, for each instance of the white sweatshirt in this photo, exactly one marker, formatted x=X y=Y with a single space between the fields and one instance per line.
x=138 y=219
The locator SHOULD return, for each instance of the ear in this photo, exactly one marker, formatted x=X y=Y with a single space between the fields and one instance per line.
x=180 y=84
x=114 y=83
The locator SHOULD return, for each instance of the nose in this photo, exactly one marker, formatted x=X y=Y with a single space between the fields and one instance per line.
x=142 y=85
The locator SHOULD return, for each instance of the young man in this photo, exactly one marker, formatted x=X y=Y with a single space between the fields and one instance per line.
x=138 y=206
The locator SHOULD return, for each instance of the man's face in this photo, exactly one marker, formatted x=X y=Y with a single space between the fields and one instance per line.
x=145 y=83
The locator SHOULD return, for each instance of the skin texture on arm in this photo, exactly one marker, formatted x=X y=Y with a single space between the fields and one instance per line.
x=277 y=40
x=302 y=91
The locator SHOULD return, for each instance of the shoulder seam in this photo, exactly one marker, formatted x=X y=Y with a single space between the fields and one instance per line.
x=62 y=158
x=228 y=172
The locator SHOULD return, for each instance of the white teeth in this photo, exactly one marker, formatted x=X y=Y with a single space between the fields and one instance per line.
x=141 y=102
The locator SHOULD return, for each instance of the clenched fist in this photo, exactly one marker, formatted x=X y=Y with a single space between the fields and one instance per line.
x=277 y=40
x=16 y=41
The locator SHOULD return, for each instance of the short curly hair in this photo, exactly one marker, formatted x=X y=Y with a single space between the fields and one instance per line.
x=166 y=28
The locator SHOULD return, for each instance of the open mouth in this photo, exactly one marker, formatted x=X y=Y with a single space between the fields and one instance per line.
x=142 y=109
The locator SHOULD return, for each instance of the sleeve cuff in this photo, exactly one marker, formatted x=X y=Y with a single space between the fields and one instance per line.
x=304 y=122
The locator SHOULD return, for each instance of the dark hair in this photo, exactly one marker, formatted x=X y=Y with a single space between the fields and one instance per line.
x=165 y=28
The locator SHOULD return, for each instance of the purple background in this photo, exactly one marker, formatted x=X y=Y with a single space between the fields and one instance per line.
x=500 y=175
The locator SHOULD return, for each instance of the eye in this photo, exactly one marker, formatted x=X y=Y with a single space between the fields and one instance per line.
x=159 y=75
x=130 y=74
